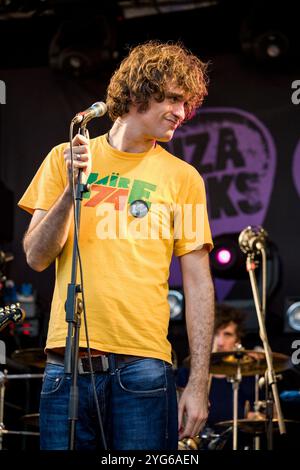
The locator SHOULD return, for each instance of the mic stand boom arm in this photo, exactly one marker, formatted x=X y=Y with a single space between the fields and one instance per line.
x=251 y=266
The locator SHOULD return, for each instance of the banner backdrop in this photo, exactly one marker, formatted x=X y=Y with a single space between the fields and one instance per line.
x=235 y=154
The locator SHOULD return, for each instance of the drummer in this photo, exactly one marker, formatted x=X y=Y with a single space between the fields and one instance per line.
x=229 y=331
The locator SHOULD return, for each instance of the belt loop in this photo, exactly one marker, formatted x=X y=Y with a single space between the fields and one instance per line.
x=112 y=362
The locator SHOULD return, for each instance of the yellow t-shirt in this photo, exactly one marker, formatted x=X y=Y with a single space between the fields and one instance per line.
x=141 y=207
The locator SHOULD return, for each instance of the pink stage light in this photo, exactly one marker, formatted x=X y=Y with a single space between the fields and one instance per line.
x=223 y=256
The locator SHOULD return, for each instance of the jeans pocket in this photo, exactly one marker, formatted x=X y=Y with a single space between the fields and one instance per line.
x=53 y=379
x=144 y=377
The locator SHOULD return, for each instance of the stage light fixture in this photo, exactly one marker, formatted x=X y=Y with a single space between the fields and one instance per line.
x=87 y=52
x=268 y=32
x=227 y=260
x=270 y=46
x=224 y=256
x=292 y=315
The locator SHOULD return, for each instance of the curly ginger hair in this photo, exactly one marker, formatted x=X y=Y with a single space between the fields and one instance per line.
x=146 y=73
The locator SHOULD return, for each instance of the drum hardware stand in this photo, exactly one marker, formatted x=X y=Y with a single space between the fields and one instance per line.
x=2 y=393
x=235 y=381
x=256 y=409
x=3 y=378
x=252 y=242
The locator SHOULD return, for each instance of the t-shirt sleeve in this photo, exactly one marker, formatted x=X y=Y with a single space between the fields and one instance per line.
x=47 y=184
x=191 y=225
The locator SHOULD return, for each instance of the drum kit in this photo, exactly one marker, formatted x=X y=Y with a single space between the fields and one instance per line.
x=32 y=357
x=233 y=365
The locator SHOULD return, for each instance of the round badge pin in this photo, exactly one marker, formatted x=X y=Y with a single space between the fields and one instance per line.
x=138 y=208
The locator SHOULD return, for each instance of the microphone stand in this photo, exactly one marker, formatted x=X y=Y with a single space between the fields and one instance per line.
x=270 y=373
x=73 y=309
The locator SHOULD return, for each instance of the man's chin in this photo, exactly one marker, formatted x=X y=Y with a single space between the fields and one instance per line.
x=165 y=138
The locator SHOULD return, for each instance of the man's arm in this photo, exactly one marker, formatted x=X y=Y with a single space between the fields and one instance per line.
x=47 y=233
x=199 y=307
x=48 y=230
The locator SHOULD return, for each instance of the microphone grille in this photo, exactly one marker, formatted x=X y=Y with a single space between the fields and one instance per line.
x=244 y=238
x=100 y=107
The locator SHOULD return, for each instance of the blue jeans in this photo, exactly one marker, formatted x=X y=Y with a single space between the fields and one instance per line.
x=137 y=402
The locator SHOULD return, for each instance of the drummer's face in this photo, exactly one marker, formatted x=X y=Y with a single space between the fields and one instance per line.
x=225 y=338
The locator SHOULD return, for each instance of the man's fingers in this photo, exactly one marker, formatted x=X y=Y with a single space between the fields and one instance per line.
x=79 y=149
x=180 y=417
x=186 y=430
x=192 y=427
x=80 y=146
x=80 y=139
x=84 y=157
x=198 y=427
x=76 y=164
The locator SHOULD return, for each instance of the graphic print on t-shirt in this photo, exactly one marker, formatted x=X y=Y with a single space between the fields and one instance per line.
x=116 y=190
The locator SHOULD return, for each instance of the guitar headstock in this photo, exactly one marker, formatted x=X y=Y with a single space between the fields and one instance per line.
x=12 y=313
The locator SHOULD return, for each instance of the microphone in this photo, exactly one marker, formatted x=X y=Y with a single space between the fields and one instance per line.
x=97 y=109
x=252 y=239
x=11 y=313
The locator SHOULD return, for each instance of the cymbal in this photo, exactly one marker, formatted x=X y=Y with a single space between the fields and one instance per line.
x=250 y=362
x=255 y=426
x=32 y=357
x=31 y=419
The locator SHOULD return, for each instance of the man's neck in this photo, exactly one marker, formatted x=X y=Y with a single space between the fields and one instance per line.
x=124 y=136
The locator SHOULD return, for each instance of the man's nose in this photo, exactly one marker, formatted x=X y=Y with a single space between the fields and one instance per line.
x=179 y=110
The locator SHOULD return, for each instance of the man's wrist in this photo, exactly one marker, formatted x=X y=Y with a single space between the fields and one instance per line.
x=199 y=380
